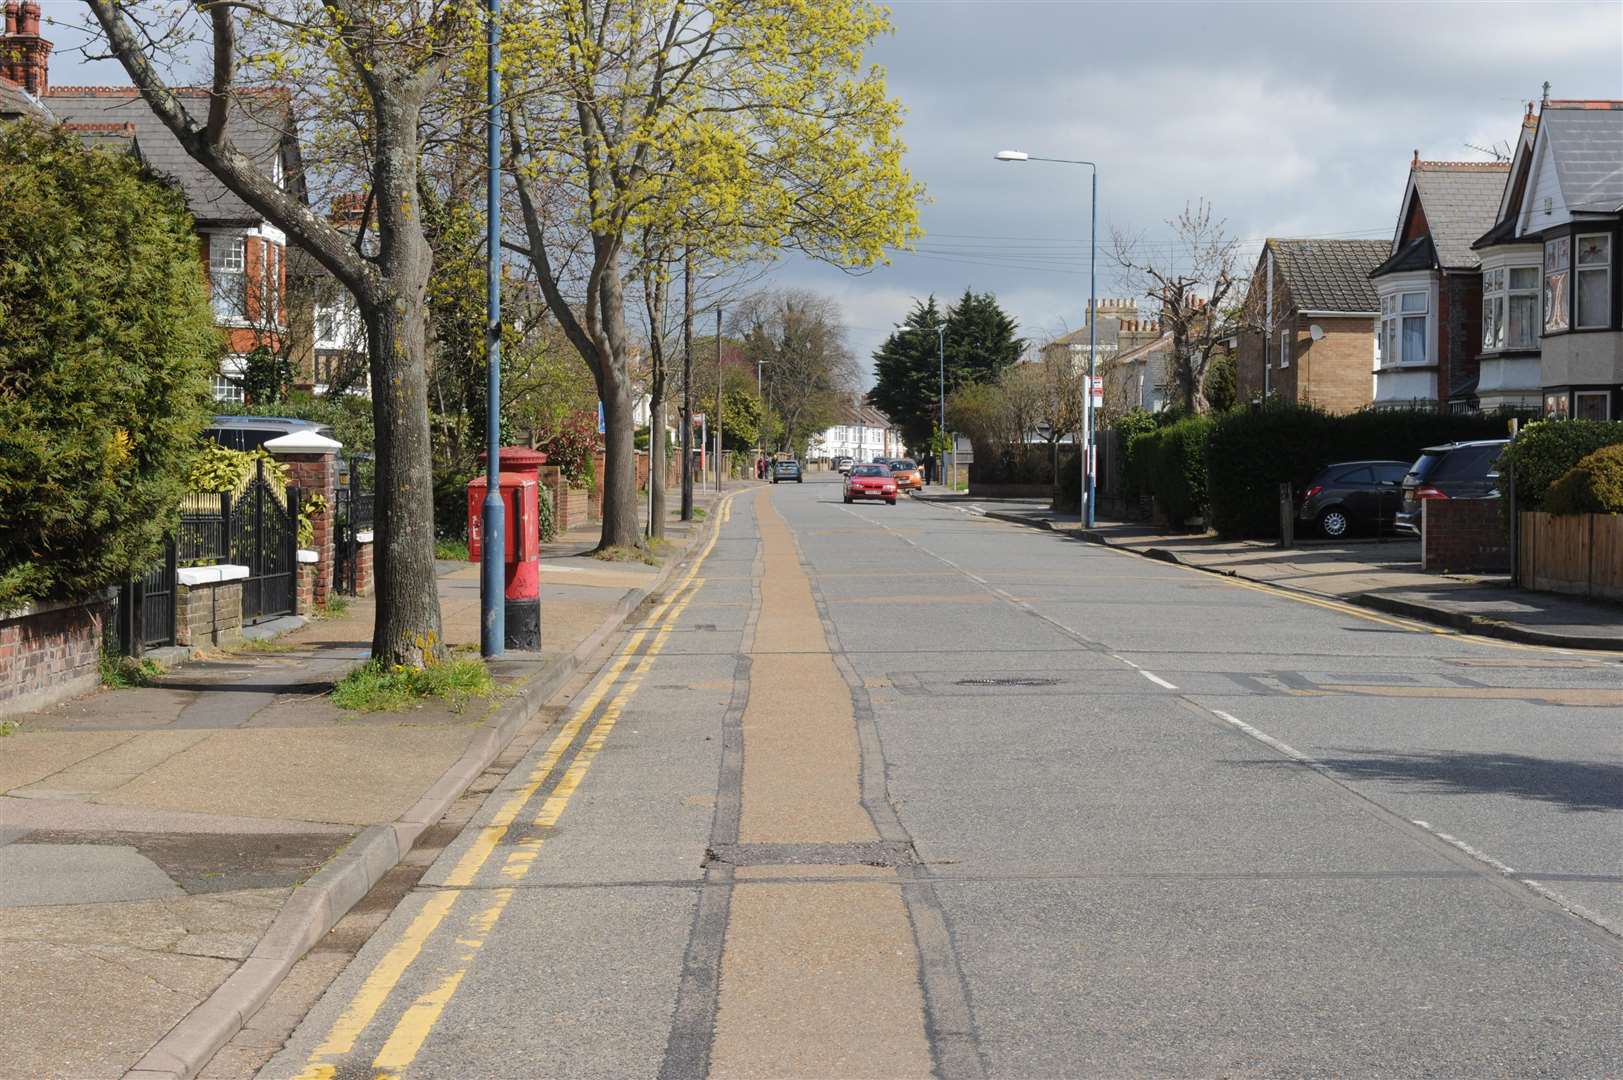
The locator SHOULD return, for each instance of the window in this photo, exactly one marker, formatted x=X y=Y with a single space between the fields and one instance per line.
x=1593 y=289
x=1592 y=404
x=226 y=388
x=1557 y=263
x=228 y=279
x=1555 y=406
x=1509 y=307
x=1285 y=342
x=1357 y=476
x=1403 y=334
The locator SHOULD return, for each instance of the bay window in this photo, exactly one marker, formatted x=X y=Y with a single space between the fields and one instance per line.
x=1593 y=287
x=1557 y=265
x=1404 y=337
x=1509 y=308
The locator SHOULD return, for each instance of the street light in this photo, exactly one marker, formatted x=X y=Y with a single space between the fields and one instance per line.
x=941 y=375
x=492 y=571
x=1088 y=485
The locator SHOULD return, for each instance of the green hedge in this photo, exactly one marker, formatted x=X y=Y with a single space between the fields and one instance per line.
x=1593 y=486
x=1253 y=450
x=1544 y=451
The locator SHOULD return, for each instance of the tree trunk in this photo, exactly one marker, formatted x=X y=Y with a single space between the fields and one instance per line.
x=619 y=479
x=406 y=629
x=656 y=455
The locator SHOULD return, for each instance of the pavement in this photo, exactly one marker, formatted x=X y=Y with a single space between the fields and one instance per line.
x=883 y=791
x=1381 y=574
x=168 y=852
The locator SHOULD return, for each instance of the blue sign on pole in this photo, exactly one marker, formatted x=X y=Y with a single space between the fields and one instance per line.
x=600 y=427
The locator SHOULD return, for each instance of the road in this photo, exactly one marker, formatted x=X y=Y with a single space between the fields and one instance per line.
x=900 y=791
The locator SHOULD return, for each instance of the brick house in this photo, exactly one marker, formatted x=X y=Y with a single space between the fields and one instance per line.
x=1429 y=344
x=1133 y=375
x=244 y=256
x=1307 y=329
x=1551 y=330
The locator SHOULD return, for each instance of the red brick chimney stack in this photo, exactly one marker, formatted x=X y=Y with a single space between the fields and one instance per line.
x=25 y=57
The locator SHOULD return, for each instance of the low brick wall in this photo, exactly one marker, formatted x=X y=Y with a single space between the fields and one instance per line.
x=364 y=578
x=50 y=652
x=1464 y=536
x=309 y=569
x=208 y=605
x=1009 y=491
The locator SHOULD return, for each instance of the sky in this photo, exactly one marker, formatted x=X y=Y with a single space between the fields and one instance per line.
x=1293 y=119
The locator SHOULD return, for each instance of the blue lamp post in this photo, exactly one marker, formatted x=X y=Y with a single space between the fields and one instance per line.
x=492 y=584
x=1088 y=486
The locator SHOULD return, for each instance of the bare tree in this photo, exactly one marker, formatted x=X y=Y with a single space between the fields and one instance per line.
x=1190 y=284
x=811 y=374
x=386 y=57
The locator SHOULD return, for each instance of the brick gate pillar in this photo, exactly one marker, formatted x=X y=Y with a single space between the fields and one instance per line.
x=312 y=466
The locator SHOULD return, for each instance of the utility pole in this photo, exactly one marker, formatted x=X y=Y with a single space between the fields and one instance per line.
x=718 y=399
x=687 y=385
x=492 y=560
x=941 y=375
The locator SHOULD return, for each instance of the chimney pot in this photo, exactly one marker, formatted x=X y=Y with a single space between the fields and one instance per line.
x=11 y=20
x=28 y=18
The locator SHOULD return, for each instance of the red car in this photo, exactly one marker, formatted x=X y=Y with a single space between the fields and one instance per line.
x=870 y=482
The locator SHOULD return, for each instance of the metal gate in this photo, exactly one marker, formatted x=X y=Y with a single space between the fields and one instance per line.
x=351 y=515
x=263 y=534
x=146 y=607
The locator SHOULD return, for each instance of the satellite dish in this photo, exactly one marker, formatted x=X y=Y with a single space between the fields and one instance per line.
x=1316 y=332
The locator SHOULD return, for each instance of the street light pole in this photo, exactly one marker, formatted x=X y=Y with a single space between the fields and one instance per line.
x=687 y=386
x=1089 y=487
x=941 y=387
x=492 y=585
x=718 y=399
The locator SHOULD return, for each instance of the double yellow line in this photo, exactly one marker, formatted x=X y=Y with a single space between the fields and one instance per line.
x=622 y=678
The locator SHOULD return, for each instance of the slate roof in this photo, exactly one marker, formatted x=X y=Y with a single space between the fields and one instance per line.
x=1586 y=138
x=256 y=126
x=1461 y=202
x=15 y=101
x=1330 y=275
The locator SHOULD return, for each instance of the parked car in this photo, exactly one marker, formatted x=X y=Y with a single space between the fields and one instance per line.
x=842 y=465
x=1354 y=496
x=252 y=432
x=908 y=475
x=786 y=469
x=1461 y=470
x=870 y=482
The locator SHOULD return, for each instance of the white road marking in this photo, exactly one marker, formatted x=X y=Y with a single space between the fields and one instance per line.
x=1478 y=855
x=1126 y=661
x=1156 y=679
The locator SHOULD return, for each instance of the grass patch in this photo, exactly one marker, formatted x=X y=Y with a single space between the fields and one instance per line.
x=7 y=727
x=336 y=607
x=373 y=687
x=262 y=645
x=700 y=513
x=456 y=550
x=126 y=672
x=620 y=553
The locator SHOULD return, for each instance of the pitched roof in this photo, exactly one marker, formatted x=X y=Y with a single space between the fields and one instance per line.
x=1330 y=275
x=1418 y=254
x=257 y=125
x=16 y=101
x=1461 y=202
x=1586 y=140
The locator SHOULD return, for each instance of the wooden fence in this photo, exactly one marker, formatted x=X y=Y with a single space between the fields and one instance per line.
x=1572 y=553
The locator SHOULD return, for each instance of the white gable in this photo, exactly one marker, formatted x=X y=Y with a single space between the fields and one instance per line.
x=1543 y=191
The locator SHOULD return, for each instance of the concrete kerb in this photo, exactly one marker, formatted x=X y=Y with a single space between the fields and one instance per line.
x=317 y=906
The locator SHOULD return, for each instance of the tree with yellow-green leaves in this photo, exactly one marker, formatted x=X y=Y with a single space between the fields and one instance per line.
x=733 y=128
x=366 y=75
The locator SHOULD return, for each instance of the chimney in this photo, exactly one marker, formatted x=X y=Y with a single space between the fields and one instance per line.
x=24 y=55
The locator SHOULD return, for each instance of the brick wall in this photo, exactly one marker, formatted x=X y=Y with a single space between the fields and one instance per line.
x=1464 y=536
x=306 y=600
x=1459 y=314
x=594 y=499
x=571 y=509
x=363 y=570
x=317 y=474
x=1336 y=371
x=209 y=614
x=49 y=653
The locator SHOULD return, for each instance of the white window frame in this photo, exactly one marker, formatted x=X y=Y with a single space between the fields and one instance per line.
x=228 y=276
x=1605 y=398
x=1499 y=292
x=1287 y=338
x=226 y=382
x=1393 y=315
x=1579 y=270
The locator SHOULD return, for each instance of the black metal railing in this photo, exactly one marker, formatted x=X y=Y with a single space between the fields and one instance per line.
x=200 y=539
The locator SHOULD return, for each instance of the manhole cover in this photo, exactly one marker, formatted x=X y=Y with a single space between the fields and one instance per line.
x=1012 y=681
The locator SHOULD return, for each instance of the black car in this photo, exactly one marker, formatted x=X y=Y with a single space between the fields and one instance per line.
x=1462 y=470
x=786 y=469
x=1354 y=496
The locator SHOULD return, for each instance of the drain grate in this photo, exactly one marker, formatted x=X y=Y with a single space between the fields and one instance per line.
x=1010 y=681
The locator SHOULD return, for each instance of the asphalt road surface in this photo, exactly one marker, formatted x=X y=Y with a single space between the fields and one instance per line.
x=901 y=791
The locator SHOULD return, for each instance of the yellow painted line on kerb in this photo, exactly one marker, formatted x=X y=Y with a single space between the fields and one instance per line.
x=418 y=1021
x=382 y=980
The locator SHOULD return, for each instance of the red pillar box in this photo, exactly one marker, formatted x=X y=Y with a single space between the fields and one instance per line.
x=520 y=481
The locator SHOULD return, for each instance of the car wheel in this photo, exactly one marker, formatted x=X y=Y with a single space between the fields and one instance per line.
x=1333 y=523
x=848 y=500
x=890 y=502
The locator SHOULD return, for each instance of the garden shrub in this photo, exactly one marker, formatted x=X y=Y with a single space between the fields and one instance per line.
x=1253 y=450
x=1025 y=464
x=1543 y=452
x=1177 y=467
x=1593 y=486
x=107 y=346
